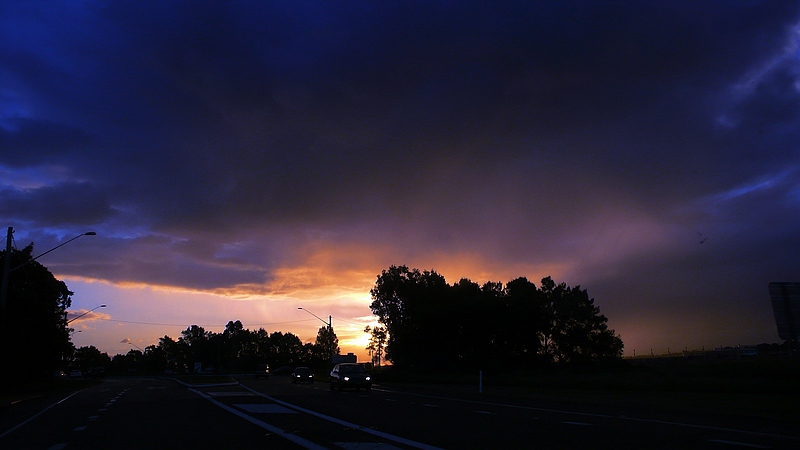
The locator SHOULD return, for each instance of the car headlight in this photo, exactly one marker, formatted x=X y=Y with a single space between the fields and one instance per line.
x=346 y=378
x=368 y=378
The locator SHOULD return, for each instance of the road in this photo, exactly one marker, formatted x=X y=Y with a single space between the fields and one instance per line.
x=160 y=413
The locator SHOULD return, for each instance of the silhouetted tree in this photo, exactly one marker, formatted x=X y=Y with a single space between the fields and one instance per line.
x=198 y=347
x=405 y=302
x=467 y=326
x=577 y=332
x=174 y=354
x=34 y=338
x=260 y=342
x=287 y=350
x=87 y=357
x=233 y=341
x=377 y=343
x=326 y=345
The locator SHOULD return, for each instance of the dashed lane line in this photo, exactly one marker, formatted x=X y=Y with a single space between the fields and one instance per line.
x=36 y=415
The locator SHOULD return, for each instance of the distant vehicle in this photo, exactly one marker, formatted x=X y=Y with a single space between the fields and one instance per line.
x=283 y=370
x=96 y=372
x=350 y=375
x=75 y=374
x=262 y=371
x=302 y=375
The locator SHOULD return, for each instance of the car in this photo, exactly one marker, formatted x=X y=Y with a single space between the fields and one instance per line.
x=350 y=375
x=302 y=375
x=283 y=370
x=75 y=373
x=262 y=371
x=96 y=372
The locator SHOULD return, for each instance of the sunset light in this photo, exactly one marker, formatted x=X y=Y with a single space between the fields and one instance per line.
x=239 y=164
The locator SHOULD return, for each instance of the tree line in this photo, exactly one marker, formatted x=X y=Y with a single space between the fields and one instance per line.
x=235 y=349
x=35 y=335
x=431 y=324
x=425 y=323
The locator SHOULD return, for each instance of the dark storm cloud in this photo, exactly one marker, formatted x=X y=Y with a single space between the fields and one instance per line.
x=60 y=205
x=28 y=142
x=377 y=98
x=600 y=137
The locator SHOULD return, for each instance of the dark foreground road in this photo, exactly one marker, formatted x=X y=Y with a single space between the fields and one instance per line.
x=158 y=413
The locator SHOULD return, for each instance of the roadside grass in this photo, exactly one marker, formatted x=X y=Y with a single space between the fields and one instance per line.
x=740 y=388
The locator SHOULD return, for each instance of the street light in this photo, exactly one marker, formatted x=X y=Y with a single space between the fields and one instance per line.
x=140 y=348
x=7 y=263
x=88 y=233
x=87 y=312
x=328 y=323
x=330 y=328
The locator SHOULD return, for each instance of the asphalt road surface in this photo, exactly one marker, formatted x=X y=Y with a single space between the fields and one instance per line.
x=152 y=413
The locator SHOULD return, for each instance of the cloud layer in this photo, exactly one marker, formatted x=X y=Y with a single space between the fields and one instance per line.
x=646 y=152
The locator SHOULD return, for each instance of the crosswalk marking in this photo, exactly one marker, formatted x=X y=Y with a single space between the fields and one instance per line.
x=265 y=408
x=230 y=394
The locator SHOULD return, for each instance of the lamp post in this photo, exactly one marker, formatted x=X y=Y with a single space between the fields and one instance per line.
x=87 y=312
x=134 y=345
x=7 y=263
x=328 y=323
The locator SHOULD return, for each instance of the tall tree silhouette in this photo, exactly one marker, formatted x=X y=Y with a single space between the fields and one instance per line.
x=34 y=338
x=467 y=326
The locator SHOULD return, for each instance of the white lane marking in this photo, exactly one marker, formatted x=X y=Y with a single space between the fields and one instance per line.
x=430 y=405
x=265 y=408
x=582 y=424
x=80 y=428
x=271 y=428
x=738 y=444
x=92 y=418
x=230 y=394
x=3 y=434
x=605 y=416
x=387 y=436
x=486 y=412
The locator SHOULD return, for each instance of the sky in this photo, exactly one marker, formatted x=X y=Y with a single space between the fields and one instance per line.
x=239 y=160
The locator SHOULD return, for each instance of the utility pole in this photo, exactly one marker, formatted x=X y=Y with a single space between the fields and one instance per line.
x=6 y=271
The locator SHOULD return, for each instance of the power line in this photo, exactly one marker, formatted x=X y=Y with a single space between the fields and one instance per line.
x=199 y=325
